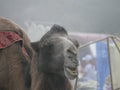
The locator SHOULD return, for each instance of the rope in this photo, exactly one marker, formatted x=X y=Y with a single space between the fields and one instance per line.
x=76 y=81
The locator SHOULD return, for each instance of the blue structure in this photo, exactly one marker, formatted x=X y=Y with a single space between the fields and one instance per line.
x=102 y=63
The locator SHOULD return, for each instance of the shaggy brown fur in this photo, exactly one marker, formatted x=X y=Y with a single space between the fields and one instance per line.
x=14 y=66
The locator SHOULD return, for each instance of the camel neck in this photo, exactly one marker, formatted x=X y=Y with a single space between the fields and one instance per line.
x=54 y=82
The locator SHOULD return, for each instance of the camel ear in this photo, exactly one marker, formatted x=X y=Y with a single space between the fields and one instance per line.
x=35 y=46
x=43 y=47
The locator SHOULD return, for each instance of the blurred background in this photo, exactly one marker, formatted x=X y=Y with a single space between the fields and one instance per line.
x=89 y=16
x=85 y=20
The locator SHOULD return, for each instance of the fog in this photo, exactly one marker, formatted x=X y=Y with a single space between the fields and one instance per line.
x=89 y=16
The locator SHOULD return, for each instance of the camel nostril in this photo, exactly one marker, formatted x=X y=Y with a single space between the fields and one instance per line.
x=76 y=62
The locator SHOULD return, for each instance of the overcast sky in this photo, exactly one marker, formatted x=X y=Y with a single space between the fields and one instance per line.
x=97 y=16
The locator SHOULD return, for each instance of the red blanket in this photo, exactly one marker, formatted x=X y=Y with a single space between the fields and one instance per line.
x=9 y=38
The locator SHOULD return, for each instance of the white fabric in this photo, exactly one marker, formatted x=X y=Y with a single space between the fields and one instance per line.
x=90 y=72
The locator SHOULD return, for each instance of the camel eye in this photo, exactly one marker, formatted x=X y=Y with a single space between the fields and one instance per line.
x=70 y=53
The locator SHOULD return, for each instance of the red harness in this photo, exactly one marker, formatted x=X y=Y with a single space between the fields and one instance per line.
x=8 y=38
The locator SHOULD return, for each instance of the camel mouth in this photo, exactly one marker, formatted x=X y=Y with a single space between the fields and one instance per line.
x=71 y=72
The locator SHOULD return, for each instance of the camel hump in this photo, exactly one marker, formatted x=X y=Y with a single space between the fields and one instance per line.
x=6 y=24
x=9 y=25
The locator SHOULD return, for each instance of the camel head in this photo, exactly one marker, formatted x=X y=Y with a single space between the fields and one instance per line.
x=57 y=53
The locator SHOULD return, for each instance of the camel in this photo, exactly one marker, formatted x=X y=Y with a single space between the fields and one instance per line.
x=47 y=64
x=55 y=61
